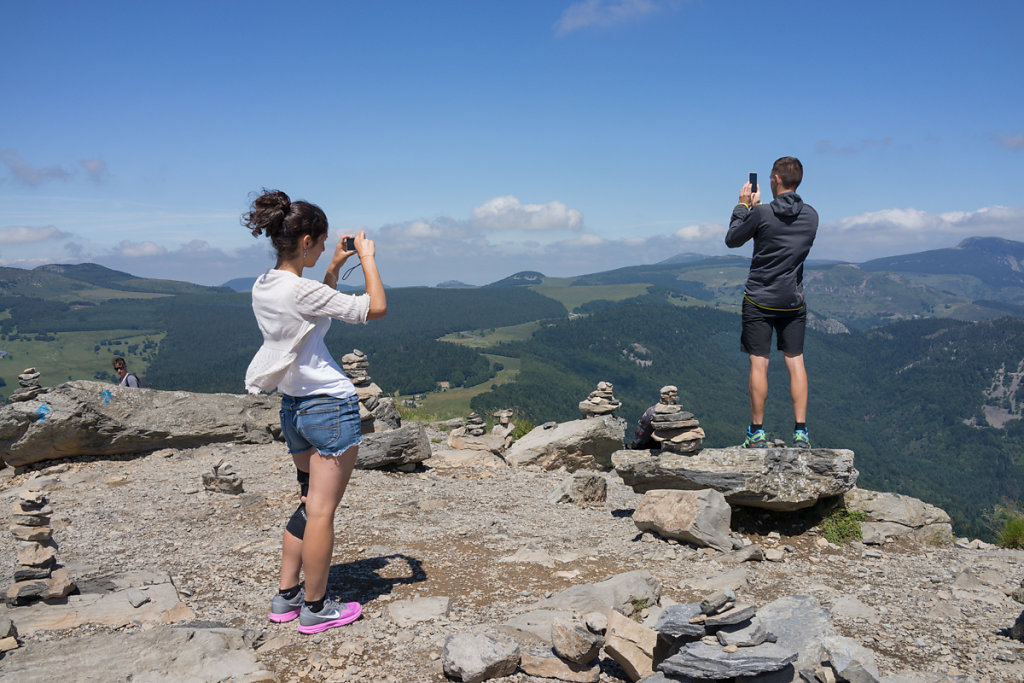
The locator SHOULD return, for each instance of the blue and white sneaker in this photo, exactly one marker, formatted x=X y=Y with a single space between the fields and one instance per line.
x=800 y=439
x=756 y=439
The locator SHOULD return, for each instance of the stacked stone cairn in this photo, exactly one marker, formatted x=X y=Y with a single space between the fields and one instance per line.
x=35 y=577
x=372 y=407
x=599 y=402
x=677 y=430
x=28 y=380
x=475 y=425
x=719 y=638
x=223 y=479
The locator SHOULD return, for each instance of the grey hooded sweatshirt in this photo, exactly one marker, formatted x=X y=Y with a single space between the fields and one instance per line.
x=783 y=233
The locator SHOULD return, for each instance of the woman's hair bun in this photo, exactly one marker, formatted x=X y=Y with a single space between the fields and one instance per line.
x=267 y=212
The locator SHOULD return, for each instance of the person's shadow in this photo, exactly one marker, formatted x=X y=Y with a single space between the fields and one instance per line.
x=359 y=581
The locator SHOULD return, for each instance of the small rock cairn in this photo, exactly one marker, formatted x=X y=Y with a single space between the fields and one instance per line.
x=223 y=479
x=599 y=402
x=28 y=380
x=675 y=429
x=35 y=576
x=475 y=425
x=728 y=640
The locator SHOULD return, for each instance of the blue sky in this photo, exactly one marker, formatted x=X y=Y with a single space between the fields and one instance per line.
x=476 y=139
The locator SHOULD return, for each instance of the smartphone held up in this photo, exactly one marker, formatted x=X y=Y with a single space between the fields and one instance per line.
x=753 y=182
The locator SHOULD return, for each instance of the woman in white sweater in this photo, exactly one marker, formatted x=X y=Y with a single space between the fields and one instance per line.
x=319 y=406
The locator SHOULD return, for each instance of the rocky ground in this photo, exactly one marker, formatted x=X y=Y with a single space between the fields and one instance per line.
x=491 y=541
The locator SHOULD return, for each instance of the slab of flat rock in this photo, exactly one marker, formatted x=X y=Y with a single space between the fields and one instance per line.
x=82 y=421
x=546 y=664
x=674 y=621
x=745 y=635
x=575 y=445
x=110 y=606
x=799 y=623
x=406 y=445
x=582 y=488
x=474 y=657
x=622 y=592
x=781 y=479
x=161 y=654
x=700 y=660
x=447 y=458
x=631 y=645
x=740 y=613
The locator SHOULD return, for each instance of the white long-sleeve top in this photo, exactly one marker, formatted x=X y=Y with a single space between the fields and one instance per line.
x=294 y=314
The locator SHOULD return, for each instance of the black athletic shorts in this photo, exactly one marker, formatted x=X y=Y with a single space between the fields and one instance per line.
x=758 y=323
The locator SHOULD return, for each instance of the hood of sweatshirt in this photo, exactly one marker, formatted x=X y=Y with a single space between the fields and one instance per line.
x=787 y=204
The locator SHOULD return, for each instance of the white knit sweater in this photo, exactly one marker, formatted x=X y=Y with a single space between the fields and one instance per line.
x=294 y=314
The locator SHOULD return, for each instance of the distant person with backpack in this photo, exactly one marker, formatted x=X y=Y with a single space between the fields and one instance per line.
x=319 y=405
x=773 y=298
x=128 y=379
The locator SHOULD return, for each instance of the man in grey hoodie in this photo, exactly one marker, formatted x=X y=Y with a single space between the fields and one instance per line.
x=773 y=298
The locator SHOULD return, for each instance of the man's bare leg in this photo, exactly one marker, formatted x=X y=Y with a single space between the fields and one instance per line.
x=758 y=388
x=797 y=386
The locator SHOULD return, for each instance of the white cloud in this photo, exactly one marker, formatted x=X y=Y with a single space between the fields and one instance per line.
x=508 y=213
x=603 y=13
x=23 y=234
x=899 y=231
x=129 y=249
x=704 y=232
x=24 y=173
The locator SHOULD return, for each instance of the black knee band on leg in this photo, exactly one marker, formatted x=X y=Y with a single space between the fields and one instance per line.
x=303 y=479
x=297 y=524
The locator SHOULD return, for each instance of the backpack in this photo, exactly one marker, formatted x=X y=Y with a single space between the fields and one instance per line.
x=143 y=384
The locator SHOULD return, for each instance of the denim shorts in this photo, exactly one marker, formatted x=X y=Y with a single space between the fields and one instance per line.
x=329 y=424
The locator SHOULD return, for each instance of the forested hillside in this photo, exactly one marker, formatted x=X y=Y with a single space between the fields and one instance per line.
x=908 y=398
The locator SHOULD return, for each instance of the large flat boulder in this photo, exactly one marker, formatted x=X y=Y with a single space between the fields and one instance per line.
x=576 y=445
x=406 y=445
x=771 y=478
x=93 y=418
x=889 y=515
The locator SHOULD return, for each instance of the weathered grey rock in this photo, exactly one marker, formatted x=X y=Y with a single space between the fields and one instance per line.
x=7 y=627
x=34 y=519
x=674 y=621
x=538 y=622
x=579 y=444
x=218 y=483
x=749 y=553
x=490 y=443
x=161 y=654
x=474 y=657
x=136 y=598
x=30 y=573
x=800 y=623
x=386 y=415
x=716 y=601
x=745 y=635
x=1017 y=630
x=40 y=534
x=771 y=478
x=406 y=445
x=700 y=517
x=582 y=488
x=547 y=664
x=573 y=641
x=738 y=614
x=623 y=593
x=852 y=661
x=80 y=422
x=895 y=515
x=409 y=612
x=701 y=660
